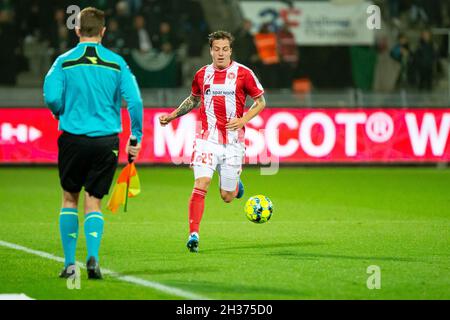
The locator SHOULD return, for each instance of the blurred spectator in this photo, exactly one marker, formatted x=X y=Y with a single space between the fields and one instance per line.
x=394 y=9
x=194 y=28
x=59 y=37
x=425 y=59
x=401 y=53
x=9 y=41
x=123 y=16
x=165 y=41
x=244 y=49
x=433 y=11
x=288 y=51
x=114 y=39
x=152 y=10
x=139 y=38
x=134 y=6
x=106 y=5
x=417 y=13
x=266 y=45
x=36 y=23
x=6 y=12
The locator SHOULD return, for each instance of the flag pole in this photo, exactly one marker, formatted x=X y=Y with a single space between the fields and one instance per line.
x=128 y=187
x=133 y=142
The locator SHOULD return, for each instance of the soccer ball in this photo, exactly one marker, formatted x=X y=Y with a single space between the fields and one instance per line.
x=259 y=209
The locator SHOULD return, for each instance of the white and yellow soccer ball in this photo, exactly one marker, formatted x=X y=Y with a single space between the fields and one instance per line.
x=259 y=209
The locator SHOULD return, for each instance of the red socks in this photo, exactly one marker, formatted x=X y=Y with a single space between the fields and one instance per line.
x=196 y=208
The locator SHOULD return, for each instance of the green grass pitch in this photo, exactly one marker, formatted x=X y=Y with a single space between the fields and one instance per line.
x=328 y=226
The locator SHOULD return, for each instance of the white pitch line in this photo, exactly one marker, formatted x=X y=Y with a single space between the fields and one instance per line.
x=14 y=296
x=130 y=279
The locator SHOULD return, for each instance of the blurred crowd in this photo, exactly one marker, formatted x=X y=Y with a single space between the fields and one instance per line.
x=413 y=52
x=417 y=57
x=418 y=12
x=269 y=52
x=144 y=25
x=419 y=52
x=416 y=66
x=409 y=52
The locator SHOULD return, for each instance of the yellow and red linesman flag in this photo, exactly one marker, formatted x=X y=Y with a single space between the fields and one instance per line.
x=128 y=176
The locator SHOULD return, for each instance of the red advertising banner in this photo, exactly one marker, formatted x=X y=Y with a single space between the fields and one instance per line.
x=287 y=135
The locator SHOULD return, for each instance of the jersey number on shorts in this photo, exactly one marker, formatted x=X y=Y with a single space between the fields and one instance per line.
x=205 y=158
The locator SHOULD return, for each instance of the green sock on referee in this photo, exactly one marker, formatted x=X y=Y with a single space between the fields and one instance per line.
x=68 y=227
x=93 y=229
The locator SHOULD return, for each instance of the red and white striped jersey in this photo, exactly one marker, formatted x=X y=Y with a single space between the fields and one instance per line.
x=223 y=94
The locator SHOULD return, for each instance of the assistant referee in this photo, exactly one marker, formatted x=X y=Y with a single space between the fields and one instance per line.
x=84 y=90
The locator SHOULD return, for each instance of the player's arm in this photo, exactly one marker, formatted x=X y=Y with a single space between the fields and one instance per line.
x=185 y=107
x=54 y=85
x=237 y=123
x=131 y=94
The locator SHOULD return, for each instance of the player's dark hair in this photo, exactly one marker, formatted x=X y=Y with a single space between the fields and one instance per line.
x=219 y=35
x=92 y=22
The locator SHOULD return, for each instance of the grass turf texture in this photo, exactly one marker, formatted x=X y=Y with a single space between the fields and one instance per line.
x=328 y=226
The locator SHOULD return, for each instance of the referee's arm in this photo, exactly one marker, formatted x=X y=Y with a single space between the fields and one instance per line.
x=54 y=85
x=130 y=92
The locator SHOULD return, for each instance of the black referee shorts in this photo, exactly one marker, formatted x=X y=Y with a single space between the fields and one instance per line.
x=88 y=162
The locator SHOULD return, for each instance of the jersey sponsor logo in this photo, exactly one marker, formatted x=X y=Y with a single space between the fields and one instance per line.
x=219 y=90
x=207 y=89
x=223 y=92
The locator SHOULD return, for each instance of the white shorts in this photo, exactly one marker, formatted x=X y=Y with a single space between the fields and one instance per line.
x=227 y=159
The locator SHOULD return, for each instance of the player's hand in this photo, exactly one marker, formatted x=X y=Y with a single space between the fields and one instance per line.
x=165 y=119
x=133 y=150
x=235 y=124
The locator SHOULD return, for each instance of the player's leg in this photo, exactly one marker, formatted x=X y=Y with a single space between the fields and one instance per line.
x=203 y=163
x=230 y=170
x=231 y=187
x=197 y=202
x=70 y=199
x=68 y=229
x=227 y=196
x=71 y=174
x=103 y=158
x=196 y=209
x=93 y=229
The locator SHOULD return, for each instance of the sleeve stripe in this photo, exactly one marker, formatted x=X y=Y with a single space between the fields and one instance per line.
x=258 y=95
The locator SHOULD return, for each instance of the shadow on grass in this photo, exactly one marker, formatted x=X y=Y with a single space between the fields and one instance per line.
x=271 y=250
x=309 y=256
x=264 y=246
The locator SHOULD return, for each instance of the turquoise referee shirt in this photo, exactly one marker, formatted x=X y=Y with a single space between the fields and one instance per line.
x=85 y=86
